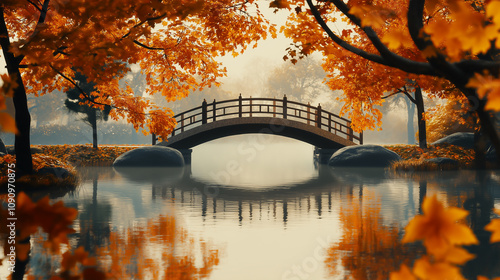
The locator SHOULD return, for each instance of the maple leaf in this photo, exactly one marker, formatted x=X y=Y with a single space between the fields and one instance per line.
x=7 y=123
x=8 y=86
x=369 y=15
x=404 y=273
x=279 y=4
x=489 y=87
x=424 y=269
x=457 y=255
x=397 y=38
x=438 y=227
x=493 y=11
x=494 y=227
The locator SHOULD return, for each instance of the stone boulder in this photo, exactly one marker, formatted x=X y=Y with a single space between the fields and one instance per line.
x=11 y=150
x=363 y=156
x=491 y=154
x=462 y=139
x=58 y=172
x=152 y=156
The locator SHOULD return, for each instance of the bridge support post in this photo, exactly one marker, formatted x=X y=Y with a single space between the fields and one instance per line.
x=204 y=112
x=323 y=155
x=318 y=116
x=240 y=106
x=186 y=154
x=350 y=132
x=285 y=101
x=214 y=111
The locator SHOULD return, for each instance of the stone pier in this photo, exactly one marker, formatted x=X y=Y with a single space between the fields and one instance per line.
x=323 y=155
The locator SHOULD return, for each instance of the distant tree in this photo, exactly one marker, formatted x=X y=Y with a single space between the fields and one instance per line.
x=47 y=108
x=76 y=104
x=414 y=99
x=395 y=102
x=302 y=81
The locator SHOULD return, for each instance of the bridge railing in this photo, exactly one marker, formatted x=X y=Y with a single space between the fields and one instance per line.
x=265 y=107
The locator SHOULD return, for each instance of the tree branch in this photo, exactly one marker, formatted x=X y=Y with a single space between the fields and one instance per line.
x=142 y=22
x=413 y=100
x=75 y=84
x=87 y=97
x=392 y=94
x=35 y=5
x=422 y=41
x=340 y=42
x=391 y=59
x=148 y=47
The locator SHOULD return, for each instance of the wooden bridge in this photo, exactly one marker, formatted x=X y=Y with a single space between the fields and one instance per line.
x=292 y=119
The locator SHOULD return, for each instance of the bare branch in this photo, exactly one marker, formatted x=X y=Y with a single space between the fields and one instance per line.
x=75 y=84
x=405 y=91
x=35 y=5
x=392 y=94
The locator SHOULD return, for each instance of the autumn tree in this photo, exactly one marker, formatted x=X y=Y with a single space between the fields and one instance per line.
x=439 y=44
x=394 y=101
x=91 y=114
x=302 y=81
x=448 y=118
x=173 y=42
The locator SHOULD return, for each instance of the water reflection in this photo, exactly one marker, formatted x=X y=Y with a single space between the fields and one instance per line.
x=368 y=249
x=134 y=224
x=157 y=249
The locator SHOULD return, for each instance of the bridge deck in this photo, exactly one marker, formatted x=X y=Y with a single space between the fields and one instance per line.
x=262 y=115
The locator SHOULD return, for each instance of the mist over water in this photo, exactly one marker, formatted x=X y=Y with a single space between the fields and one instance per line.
x=253 y=160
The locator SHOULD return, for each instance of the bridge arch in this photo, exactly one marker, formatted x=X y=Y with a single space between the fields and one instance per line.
x=282 y=117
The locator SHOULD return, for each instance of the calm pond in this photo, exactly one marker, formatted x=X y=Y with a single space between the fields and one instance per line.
x=255 y=209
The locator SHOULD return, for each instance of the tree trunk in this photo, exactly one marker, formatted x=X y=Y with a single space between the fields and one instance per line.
x=93 y=122
x=24 y=164
x=422 y=132
x=488 y=126
x=410 y=106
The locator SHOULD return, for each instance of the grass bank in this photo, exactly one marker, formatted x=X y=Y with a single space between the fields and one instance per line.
x=416 y=159
x=67 y=157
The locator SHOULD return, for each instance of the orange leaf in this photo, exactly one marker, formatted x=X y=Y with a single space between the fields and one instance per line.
x=494 y=227
x=7 y=123
x=403 y=274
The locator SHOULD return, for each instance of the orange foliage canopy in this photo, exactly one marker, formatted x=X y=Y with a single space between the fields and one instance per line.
x=174 y=43
x=372 y=47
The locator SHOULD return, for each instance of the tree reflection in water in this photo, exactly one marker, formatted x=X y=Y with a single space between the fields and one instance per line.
x=368 y=249
x=159 y=249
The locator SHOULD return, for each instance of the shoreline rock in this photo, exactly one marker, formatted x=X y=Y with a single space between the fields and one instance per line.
x=150 y=156
x=363 y=156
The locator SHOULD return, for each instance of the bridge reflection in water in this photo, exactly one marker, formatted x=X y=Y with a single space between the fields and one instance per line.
x=326 y=131
x=316 y=194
